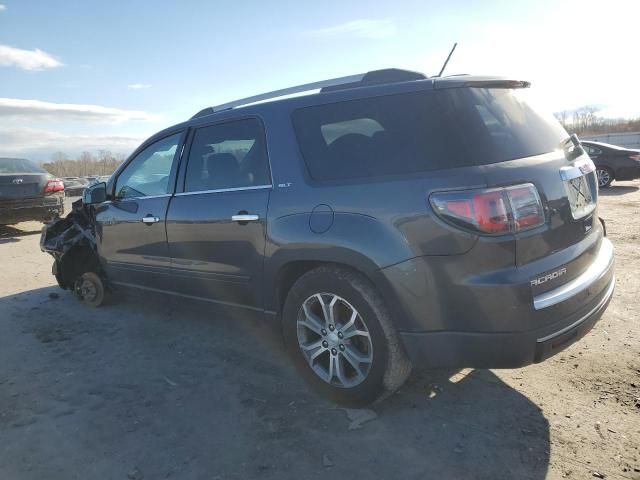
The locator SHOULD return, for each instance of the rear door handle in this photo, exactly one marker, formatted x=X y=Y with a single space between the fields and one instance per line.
x=245 y=218
x=149 y=219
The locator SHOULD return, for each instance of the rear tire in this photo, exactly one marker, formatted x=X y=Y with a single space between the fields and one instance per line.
x=605 y=176
x=341 y=338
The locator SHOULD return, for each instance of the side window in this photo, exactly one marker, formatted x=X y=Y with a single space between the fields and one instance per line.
x=592 y=150
x=228 y=155
x=148 y=173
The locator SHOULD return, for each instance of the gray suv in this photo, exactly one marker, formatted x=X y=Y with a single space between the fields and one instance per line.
x=386 y=221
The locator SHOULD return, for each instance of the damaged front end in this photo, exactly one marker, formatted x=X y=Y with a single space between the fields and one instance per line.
x=71 y=241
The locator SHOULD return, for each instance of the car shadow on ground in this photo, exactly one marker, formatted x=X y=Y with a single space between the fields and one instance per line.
x=615 y=190
x=12 y=234
x=152 y=387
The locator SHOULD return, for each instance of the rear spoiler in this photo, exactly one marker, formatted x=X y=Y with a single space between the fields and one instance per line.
x=478 y=82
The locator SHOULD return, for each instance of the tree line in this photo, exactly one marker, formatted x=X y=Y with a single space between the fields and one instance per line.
x=585 y=121
x=103 y=162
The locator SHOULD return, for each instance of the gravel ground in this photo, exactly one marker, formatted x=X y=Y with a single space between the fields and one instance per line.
x=153 y=388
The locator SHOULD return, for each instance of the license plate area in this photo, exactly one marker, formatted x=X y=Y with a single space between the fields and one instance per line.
x=581 y=186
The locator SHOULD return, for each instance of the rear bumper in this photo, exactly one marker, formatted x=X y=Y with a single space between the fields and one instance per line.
x=449 y=316
x=38 y=209
x=502 y=350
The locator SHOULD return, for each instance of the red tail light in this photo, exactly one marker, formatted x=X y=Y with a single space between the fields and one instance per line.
x=494 y=211
x=54 y=186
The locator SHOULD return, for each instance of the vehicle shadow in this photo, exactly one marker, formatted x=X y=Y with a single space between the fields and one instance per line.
x=156 y=387
x=615 y=190
x=12 y=234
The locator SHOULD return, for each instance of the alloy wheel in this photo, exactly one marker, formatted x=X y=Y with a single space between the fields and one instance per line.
x=604 y=178
x=334 y=340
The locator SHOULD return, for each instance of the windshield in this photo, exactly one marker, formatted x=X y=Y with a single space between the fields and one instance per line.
x=18 y=165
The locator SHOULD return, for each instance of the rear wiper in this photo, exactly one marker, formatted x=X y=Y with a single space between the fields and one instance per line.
x=572 y=147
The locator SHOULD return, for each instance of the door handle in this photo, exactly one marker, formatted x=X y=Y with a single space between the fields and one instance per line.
x=245 y=217
x=149 y=219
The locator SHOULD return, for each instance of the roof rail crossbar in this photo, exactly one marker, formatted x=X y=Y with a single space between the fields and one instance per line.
x=281 y=93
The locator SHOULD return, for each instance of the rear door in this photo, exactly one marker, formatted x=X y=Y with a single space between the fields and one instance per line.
x=216 y=225
x=132 y=239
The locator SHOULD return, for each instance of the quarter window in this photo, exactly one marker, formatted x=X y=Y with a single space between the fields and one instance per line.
x=148 y=173
x=228 y=155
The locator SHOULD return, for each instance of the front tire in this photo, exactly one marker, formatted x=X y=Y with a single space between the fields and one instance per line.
x=341 y=337
x=90 y=289
x=605 y=176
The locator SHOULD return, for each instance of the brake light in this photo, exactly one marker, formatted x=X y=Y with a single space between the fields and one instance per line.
x=54 y=186
x=493 y=211
x=635 y=157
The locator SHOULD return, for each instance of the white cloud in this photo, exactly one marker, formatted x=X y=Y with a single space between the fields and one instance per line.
x=39 y=144
x=36 y=110
x=361 y=28
x=27 y=59
x=2 y=7
x=139 y=86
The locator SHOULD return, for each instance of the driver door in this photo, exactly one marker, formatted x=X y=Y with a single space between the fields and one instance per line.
x=132 y=239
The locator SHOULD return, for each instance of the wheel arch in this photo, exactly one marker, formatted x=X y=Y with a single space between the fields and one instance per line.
x=287 y=272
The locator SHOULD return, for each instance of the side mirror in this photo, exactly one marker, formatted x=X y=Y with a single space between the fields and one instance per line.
x=95 y=194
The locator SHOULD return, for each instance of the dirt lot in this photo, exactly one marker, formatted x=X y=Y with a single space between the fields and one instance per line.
x=153 y=388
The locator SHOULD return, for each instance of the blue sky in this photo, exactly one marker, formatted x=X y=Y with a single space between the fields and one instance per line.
x=80 y=75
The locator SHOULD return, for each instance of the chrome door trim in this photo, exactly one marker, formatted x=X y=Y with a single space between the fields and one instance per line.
x=141 y=198
x=245 y=218
x=221 y=190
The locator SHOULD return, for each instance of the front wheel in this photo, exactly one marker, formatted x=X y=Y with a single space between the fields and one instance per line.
x=605 y=176
x=341 y=337
x=90 y=289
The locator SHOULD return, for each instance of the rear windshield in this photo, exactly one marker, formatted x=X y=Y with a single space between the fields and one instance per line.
x=422 y=131
x=18 y=165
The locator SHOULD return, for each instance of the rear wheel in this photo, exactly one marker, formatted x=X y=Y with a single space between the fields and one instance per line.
x=340 y=335
x=605 y=176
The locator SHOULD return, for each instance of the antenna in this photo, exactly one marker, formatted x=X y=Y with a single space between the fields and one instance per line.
x=447 y=60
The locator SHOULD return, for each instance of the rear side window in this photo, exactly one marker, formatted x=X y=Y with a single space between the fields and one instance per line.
x=228 y=155
x=18 y=165
x=421 y=131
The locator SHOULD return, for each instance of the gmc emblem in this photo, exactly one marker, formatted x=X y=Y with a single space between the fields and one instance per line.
x=549 y=276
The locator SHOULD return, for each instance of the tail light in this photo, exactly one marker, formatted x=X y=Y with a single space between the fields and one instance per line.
x=54 y=186
x=635 y=157
x=493 y=211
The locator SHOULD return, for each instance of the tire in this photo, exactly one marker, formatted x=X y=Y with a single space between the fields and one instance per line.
x=384 y=366
x=90 y=289
x=605 y=176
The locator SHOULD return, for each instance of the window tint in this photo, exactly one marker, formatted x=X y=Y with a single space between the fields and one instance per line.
x=361 y=126
x=228 y=155
x=148 y=173
x=421 y=131
x=19 y=165
x=591 y=150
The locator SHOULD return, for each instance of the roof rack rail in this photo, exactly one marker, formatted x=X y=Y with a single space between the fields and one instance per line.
x=374 y=77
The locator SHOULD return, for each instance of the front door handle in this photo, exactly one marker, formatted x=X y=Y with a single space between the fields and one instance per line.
x=149 y=219
x=245 y=217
